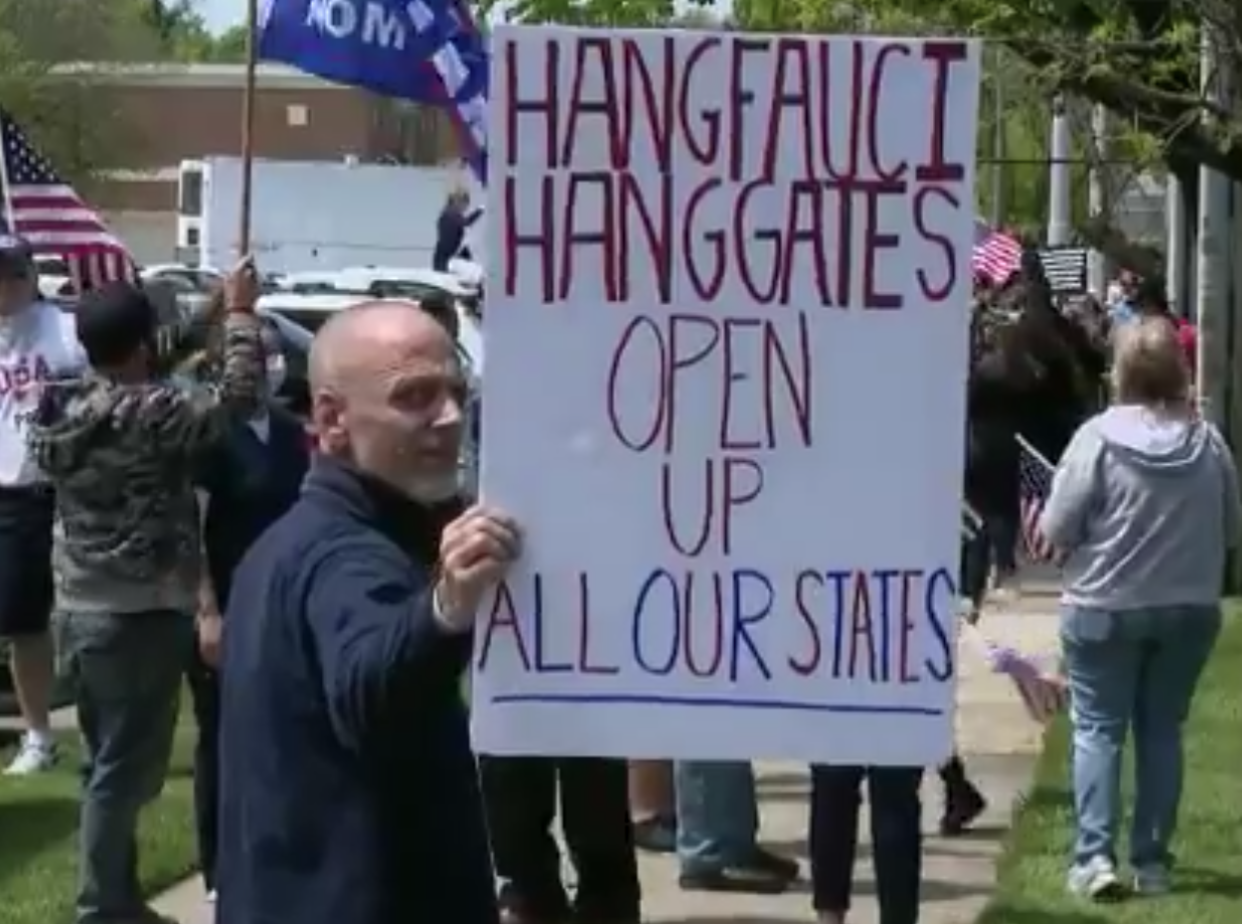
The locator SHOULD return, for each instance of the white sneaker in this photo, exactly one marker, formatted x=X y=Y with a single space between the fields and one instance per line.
x=37 y=754
x=1096 y=880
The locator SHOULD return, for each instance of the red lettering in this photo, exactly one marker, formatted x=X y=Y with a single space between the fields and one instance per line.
x=862 y=630
x=787 y=216
x=808 y=666
x=604 y=107
x=743 y=482
x=604 y=210
x=541 y=240
x=548 y=105
x=911 y=597
x=936 y=169
x=922 y=202
x=791 y=54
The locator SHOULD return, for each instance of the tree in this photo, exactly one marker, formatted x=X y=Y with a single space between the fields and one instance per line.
x=67 y=117
x=230 y=46
x=39 y=44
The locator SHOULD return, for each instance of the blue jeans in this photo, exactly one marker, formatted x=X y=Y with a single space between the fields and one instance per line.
x=717 y=814
x=127 y=670
x=1134 y=669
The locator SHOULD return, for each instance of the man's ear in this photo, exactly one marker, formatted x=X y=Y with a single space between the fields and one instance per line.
x=328 y=420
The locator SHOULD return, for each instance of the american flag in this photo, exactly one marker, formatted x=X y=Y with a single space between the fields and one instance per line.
x=49 y=214
x=1043 y=692
x=996 y=255
x=1034 y=485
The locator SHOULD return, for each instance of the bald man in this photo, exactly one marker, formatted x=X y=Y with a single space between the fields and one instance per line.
x=349 y=793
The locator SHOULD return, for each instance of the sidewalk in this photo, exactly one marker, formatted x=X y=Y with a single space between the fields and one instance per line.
x=999 y=744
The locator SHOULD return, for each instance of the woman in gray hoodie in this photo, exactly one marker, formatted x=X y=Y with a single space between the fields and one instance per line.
x=1144 y=507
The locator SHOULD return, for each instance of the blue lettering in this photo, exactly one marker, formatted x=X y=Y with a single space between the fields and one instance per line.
x=939 y=589
x=659 y=576
x=837 y=579
x=541 y=663
x=885 y=577
x=742 y=619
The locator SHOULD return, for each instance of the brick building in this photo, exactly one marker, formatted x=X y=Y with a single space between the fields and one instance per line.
x=168 y=113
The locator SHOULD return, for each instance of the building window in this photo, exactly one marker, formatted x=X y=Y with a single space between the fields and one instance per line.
x=297 y=115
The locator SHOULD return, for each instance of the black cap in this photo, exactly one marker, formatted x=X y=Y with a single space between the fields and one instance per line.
x=113 y=321
x=16 y=258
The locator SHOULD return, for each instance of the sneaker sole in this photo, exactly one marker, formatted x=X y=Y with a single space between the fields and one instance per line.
x=1109 y=893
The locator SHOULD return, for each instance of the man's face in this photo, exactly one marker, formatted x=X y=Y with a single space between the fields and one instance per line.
x=16 y=292
x=401 y=418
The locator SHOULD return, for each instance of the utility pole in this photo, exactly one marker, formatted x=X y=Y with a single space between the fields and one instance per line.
x=1212 y=305
x=999 y=144
x=1059 y=175
x=1176 y=264
x=1099 y=195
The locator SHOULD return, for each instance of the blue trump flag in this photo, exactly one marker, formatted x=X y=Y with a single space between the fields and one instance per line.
x=424 y=51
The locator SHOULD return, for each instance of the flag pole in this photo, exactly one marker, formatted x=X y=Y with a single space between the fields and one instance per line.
x=247 y=132
x=6 y=195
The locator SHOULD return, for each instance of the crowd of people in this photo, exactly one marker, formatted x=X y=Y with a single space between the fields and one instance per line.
x=320 y=593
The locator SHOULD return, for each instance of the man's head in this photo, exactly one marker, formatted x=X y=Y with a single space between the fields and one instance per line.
x=19 y=283
x=1148 y=296
x=117 y=325
x=458 y=200
x=387 y=394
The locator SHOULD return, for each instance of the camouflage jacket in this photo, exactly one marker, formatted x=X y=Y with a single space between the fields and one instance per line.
x=121 y=459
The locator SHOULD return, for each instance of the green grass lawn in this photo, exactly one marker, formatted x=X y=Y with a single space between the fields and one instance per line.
x=1208 y=879
x=38 y=835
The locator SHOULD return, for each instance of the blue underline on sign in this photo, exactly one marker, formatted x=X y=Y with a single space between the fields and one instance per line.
x=710 y=702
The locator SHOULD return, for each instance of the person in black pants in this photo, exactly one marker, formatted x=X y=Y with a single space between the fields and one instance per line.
x=249 y=478
x=520 y=794
x=896 y=837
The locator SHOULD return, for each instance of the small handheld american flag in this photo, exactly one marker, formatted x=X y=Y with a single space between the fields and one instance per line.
x=996 y=255
x=48 y=213
x=1034 y=485
x=1043 y=692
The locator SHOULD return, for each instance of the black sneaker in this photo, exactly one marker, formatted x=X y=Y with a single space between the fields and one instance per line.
x=775 y=864
x=753 y=878
x=656 y=835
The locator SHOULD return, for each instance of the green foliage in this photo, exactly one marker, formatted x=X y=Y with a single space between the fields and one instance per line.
x=69 y=122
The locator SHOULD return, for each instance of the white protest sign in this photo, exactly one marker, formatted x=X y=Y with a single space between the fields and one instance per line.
x=727 y=305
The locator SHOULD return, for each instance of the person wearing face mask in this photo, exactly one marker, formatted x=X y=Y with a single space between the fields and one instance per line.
x=247 y=479
x=348 y=789
x=119 y=445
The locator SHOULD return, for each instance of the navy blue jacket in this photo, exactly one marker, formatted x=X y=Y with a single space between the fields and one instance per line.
x=250 y=484
x=349 y=793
